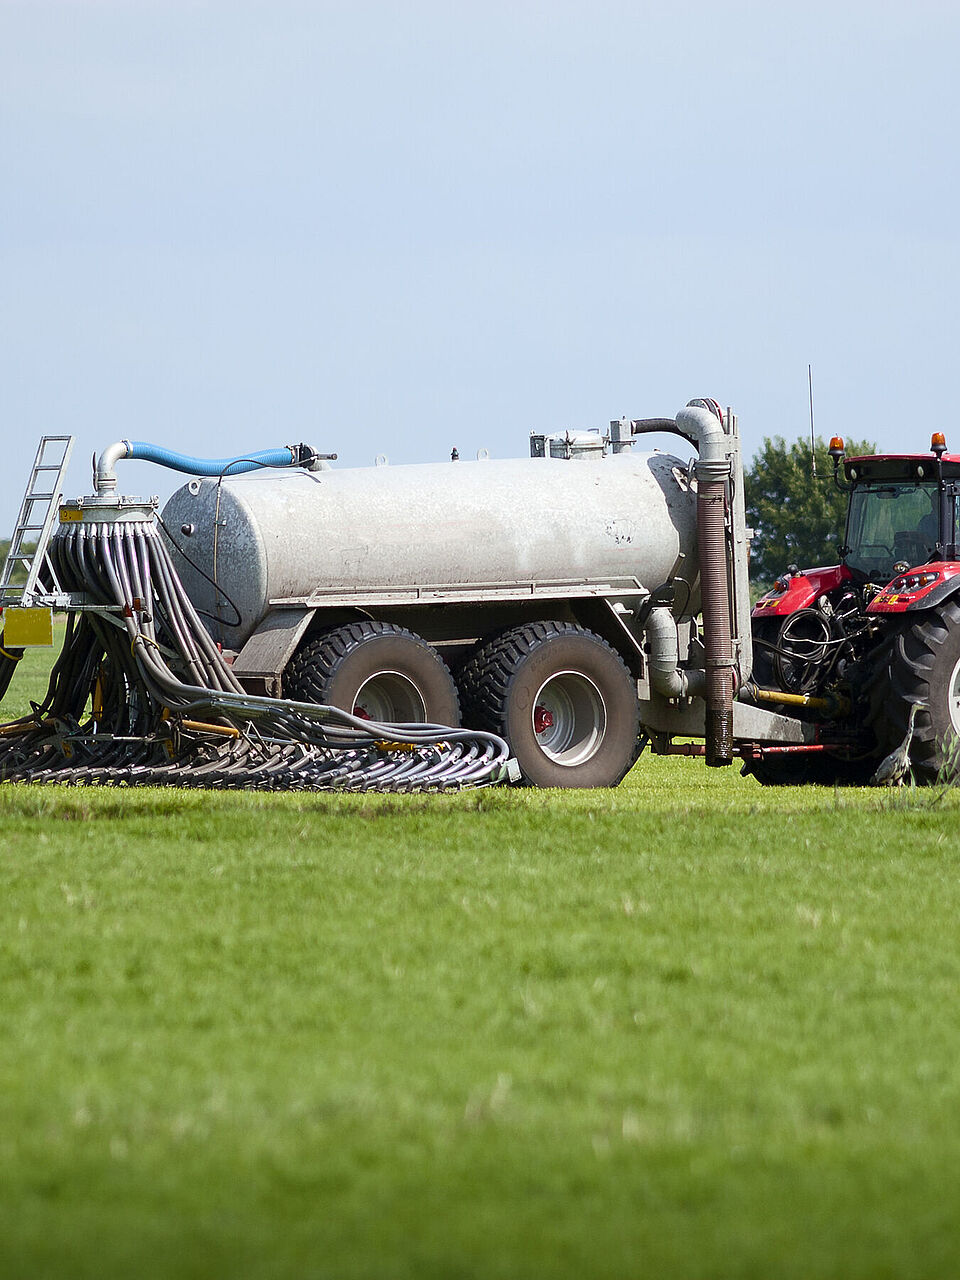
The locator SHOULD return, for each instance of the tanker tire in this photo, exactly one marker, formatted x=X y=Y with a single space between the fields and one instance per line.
x=921 y=664
x=570 y=682
x=387 y=672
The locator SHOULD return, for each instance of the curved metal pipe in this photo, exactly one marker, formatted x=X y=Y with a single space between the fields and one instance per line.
x=666 y=674
x=702 y=425
x=105 y=474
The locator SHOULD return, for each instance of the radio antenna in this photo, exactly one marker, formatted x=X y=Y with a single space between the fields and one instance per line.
x=813 y=442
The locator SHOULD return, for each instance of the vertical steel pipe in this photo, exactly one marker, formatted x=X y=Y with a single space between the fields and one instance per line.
x=701 y=421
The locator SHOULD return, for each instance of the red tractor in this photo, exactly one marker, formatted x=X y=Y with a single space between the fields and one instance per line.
x=870 y=648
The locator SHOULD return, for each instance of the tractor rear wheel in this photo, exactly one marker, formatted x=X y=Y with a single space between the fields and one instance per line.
x=562 y=698
x=923 y=666
x=377 y=671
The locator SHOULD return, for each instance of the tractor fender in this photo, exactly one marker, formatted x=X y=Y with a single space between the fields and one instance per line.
x=892 y=601
x=942 y=591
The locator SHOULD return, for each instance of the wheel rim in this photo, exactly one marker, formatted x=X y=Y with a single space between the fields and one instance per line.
x=569 y=718
x=953 y=699
x=391 y=697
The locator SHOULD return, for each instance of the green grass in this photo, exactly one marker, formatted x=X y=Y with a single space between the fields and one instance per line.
x=690 y=1028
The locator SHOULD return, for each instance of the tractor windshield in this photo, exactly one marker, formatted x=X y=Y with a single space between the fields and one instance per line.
x=891 y=523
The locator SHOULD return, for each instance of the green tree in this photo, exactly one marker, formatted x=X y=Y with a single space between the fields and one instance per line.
x=798 y=518
x=19 y=573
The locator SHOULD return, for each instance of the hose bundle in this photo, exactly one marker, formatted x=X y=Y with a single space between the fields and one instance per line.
x=141 y=695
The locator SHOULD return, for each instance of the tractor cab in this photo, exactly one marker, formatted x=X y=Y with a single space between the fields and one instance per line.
x=901 y=539
x=902 y=513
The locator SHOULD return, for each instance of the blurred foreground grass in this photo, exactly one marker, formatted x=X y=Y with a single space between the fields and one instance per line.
x=687 y=1028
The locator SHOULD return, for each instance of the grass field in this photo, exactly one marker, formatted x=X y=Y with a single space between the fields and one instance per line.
x=690 y=1028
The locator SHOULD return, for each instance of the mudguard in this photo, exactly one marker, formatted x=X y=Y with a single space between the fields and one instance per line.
x=906 y=594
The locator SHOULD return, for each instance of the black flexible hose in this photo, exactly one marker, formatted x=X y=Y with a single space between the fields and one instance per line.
x=165 y=697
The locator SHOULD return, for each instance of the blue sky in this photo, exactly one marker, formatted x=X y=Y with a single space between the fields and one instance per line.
x=395 y=228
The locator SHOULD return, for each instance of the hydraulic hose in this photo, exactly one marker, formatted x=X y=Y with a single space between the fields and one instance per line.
x=8 y=665
x=105 y=479
x=141 y=695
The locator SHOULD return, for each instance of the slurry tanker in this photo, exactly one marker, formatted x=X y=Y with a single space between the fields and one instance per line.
x=540 y=619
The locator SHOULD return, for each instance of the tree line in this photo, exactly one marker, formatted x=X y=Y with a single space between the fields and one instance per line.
x=797 y=517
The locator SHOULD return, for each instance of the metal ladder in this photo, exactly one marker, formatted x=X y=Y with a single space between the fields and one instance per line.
x=53 y=454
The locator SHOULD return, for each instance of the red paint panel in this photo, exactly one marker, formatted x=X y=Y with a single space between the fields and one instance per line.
x=790 y=594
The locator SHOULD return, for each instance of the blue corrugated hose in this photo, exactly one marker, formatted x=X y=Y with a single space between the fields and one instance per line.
x=285 y=457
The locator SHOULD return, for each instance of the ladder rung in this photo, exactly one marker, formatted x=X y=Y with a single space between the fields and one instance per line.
x=49 y=459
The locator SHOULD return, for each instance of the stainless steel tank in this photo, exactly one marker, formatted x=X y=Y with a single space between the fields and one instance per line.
x=604 y=522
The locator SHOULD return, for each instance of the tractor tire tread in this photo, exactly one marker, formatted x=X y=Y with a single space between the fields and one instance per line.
x=909 y=663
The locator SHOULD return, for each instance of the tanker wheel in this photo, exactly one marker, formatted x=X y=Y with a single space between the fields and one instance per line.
x=376 y=670
x=562 y=698
x=922 y=665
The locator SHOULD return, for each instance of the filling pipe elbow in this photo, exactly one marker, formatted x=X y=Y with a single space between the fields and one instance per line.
x=701 y=423
x=105 y=473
